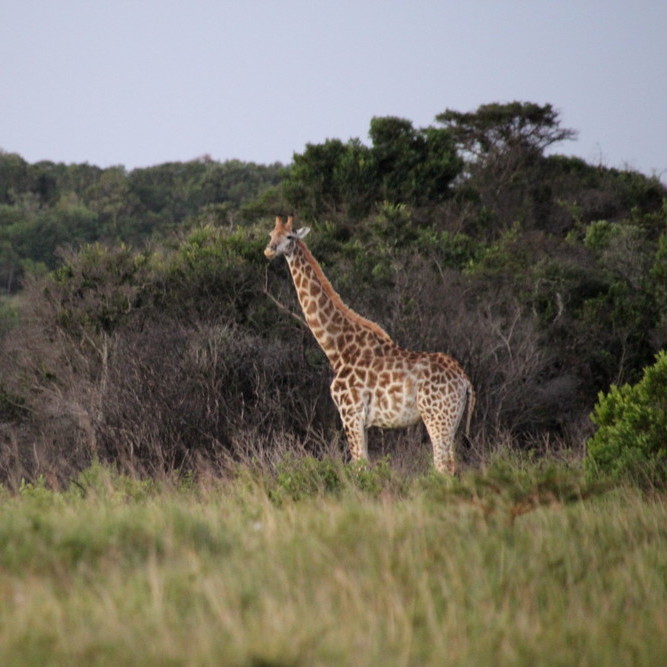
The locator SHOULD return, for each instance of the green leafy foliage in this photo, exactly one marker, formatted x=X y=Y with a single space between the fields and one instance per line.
x=303 y=477
x=46 y=205
x=95 y=289
x=631 y=440
x=9 y=316
x=403 y=165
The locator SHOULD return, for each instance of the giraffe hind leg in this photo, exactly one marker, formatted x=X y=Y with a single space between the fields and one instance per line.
x=444 y=459
x=442 y=422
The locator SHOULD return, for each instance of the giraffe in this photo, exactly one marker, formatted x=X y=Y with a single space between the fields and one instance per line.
x=376 y=382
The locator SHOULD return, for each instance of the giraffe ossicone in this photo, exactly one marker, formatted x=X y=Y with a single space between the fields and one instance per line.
x=376 y=382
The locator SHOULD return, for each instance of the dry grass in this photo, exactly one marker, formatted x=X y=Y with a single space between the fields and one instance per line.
x=319 y=563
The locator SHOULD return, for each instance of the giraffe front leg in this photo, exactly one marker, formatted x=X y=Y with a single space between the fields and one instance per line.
x=352 y=412
x=356 y=439
x=444 y=462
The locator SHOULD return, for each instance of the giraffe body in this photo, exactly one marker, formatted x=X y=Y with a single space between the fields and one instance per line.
x=376 y=382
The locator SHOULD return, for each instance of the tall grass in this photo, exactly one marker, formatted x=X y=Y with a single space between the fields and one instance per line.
x=321 y=563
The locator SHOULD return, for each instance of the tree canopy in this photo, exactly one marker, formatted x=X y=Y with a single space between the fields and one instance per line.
x=46 y=205
x=499 y=128
x=403 y=165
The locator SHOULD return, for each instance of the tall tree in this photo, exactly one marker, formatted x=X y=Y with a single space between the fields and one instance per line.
x=504 y=145
x=403 y=165
x=414 y=166
x=495 y=128
x=331 y=178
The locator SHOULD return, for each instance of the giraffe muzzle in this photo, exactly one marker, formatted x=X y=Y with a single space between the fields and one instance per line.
x=269 y=252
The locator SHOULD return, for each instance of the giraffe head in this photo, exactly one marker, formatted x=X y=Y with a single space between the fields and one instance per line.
x=282 y=238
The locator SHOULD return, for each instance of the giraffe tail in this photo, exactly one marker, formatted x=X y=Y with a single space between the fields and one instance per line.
x=471 y=400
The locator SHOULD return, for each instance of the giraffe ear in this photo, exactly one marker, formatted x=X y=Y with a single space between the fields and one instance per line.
x=300 y=233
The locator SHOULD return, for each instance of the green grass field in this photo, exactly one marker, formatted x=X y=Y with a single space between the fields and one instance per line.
x=321 y=563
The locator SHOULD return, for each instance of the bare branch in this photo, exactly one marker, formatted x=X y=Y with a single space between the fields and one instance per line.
x=265 y=290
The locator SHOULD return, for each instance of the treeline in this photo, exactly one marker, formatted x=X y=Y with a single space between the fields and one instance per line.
x=544 y=275
x=45 y=206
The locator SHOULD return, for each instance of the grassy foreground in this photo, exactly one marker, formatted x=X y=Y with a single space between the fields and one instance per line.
x=320 y=563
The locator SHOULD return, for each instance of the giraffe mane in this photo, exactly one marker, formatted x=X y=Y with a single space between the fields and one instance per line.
x=327 y=287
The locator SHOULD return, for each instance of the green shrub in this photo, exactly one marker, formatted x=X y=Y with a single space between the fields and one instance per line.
x=300 y=477
x=631 y=440
x=9 y=316
x=303 y=477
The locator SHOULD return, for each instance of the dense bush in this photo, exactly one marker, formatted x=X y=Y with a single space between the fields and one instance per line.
x=136 y=358
x=631 y=440
x=544 y=276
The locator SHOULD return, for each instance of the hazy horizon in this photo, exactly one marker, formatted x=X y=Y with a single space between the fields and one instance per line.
x=143 y=83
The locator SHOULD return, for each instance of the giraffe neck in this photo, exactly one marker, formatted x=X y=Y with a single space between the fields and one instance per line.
x=342 y=334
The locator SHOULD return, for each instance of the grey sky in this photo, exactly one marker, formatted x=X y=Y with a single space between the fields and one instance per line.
x=140 y=82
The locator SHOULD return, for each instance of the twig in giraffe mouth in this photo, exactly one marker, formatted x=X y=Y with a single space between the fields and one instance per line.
x=282 y=306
